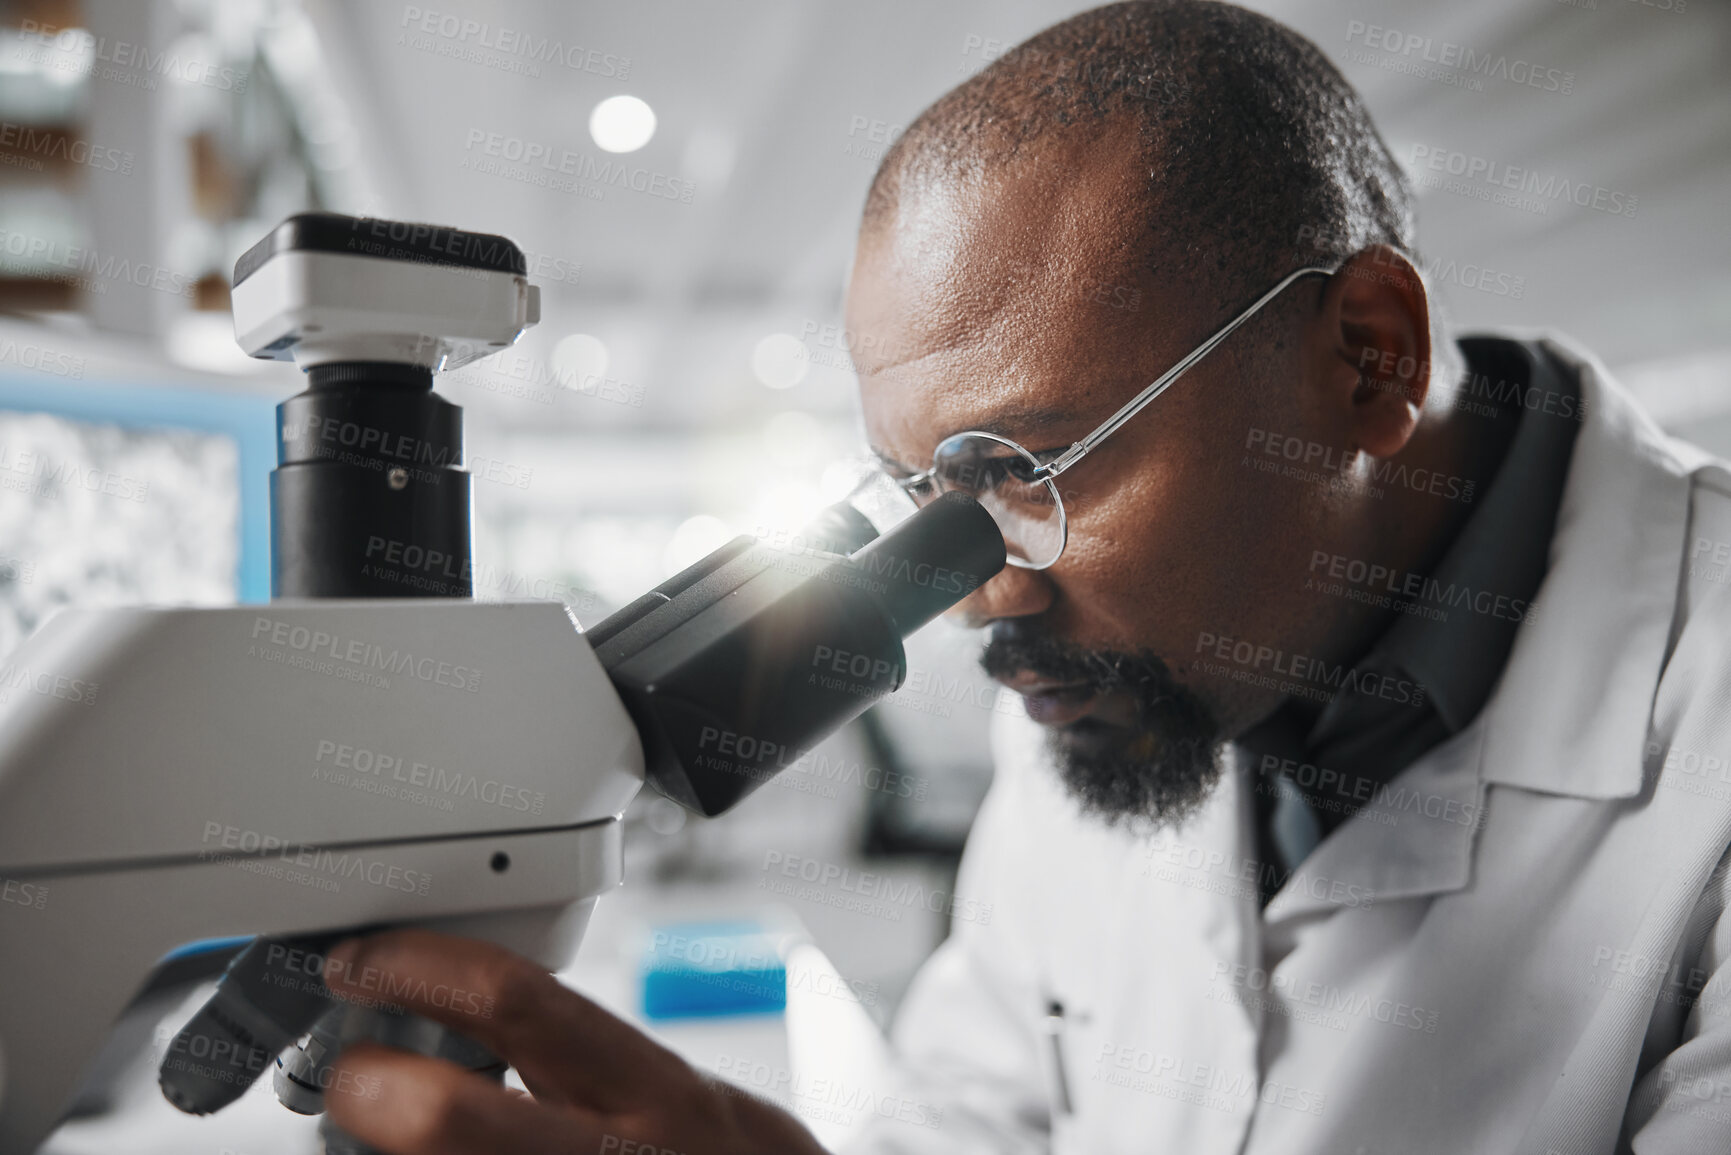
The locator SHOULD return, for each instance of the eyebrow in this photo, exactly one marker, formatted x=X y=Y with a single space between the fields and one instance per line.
x=1000 y=422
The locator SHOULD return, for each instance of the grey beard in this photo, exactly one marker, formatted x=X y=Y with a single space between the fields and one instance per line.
x=1157 y=771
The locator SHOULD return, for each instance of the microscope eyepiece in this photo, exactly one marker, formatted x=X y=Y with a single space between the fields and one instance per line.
x=736 y=667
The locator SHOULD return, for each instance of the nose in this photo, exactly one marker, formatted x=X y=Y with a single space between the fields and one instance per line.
x=1013 y=592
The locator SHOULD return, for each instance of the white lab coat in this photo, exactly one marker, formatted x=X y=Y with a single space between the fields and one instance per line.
x=1521 y=947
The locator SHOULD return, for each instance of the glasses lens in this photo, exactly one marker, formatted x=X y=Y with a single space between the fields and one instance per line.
x=1000 y=475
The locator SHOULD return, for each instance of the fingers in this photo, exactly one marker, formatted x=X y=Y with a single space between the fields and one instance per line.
x=566 y=1048
x=408 y=1104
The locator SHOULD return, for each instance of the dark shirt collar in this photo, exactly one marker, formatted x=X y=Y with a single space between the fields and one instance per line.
x=1462 y=618
x=1457 y=624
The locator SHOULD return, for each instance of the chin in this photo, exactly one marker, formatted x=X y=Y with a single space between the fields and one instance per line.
x=1130 y=742
x=1134 y=774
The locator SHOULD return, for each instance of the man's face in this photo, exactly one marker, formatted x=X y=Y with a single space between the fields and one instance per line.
x=1014 y=301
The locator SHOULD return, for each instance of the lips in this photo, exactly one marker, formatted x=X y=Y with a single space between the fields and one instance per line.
x=1053 y=703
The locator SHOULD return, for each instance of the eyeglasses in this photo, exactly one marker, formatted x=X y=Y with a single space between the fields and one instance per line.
x=1019 y=489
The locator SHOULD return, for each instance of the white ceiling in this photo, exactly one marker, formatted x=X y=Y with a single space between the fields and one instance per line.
x=755 y=100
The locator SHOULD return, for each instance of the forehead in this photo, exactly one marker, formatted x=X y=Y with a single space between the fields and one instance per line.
x=1007 y=294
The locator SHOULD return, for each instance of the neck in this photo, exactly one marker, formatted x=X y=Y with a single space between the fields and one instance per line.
x=1420 y=513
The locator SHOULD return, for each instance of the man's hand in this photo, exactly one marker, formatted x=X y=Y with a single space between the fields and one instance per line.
x=597 y=1084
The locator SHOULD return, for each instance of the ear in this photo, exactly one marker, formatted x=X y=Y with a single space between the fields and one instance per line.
x=1375 y=343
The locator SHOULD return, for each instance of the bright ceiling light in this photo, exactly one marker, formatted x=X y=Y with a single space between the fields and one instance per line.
x=622 y=124
x=780 y=361
x=580 y=362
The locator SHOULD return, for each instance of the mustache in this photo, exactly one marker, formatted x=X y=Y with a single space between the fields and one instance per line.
x=1103 y=670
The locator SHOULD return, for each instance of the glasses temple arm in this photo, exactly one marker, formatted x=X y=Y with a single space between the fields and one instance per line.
x=1137 y=403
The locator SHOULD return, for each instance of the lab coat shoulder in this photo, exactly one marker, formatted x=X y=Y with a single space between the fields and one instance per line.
x=1681 y=1098
x=964 y=1037
x=1062 y=1009
x=1608 y=757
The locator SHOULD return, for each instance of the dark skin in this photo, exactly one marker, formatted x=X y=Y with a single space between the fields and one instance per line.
x=981 y=298
x=1172 y=537
x=596 y=1084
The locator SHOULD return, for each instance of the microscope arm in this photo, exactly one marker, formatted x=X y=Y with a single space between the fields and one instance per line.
x=312 y=767
x=168 y=775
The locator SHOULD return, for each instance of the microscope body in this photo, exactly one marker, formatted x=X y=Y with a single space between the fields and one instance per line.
x=372 y=748
x=171 y=775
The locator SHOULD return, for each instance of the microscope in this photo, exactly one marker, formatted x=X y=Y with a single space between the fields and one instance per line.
x=374 y=748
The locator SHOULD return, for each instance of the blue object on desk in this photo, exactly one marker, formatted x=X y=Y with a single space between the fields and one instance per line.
x=709 y=969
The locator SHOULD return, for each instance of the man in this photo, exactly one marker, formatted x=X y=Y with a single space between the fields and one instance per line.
x=1372 y=794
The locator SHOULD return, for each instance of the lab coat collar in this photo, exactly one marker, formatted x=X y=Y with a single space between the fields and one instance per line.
x=1571 y=712
x=1414 y=837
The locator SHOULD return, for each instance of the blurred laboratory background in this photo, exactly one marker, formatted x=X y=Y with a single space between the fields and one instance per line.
x=690 y=378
